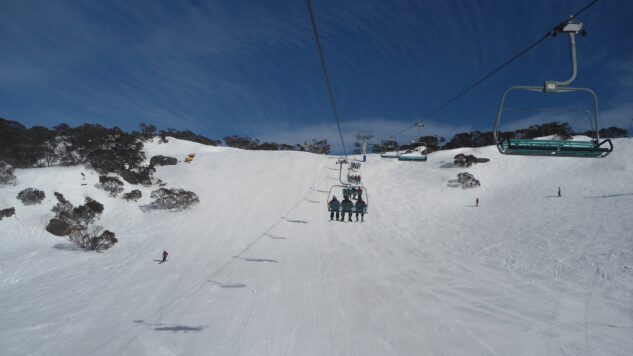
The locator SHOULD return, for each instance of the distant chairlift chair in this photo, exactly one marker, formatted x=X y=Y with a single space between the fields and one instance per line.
x=387 y=153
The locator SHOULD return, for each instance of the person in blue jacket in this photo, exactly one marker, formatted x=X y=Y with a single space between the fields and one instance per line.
x=347 y=206
x=334 y=205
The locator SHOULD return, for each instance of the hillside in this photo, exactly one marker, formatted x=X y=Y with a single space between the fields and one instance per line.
x=258 y=268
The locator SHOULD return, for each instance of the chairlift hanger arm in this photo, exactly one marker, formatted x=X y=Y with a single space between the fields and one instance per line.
x=564 y=26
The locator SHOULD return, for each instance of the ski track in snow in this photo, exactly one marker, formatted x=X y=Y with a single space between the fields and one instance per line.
x=258 y=268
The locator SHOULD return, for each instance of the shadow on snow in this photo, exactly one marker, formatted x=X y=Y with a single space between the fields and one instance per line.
x=609 y=196
x=172 y=327
x=256 y=259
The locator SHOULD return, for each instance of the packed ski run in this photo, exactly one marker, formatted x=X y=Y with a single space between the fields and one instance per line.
x=259 y=268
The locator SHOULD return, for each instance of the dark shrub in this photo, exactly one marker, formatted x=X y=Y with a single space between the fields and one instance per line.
x=173 y=199
x=140 y=175
x=63 y=209
x=88 y=212
x=6 y=174
x=77 y=217
x=133 y=195
x=559 y=129
x=30 y=196
x=5 y=213
x=462 y=160
x=78 y=223
x=60 y=197
x=145 y=175
x=129 y=177
x=188 y=136
x=105 y=161
x=111 y=185
x=467 y=180
x=92 y=238
x=93 y=205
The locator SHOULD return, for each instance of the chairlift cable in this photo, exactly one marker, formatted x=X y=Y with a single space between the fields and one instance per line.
x=548 y=34
x=325 y=73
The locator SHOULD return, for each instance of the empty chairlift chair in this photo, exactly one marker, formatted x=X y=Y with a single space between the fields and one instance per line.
x=389 y=151
x=417 y=154
x=564 y=148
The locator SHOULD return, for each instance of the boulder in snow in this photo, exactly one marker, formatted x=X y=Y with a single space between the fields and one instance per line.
x=462 y=160
x=129 y=176
x=58 y=227
x=162 y=161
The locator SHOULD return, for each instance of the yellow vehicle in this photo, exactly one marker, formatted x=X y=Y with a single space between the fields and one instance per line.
x=190 y=157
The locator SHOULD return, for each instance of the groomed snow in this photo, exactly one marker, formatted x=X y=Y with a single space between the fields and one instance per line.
x=257 y=268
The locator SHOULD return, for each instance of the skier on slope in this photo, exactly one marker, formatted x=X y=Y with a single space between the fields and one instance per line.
x=476 y=202
x=165 y=255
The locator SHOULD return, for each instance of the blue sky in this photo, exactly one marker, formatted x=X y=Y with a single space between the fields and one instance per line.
x=251 y=67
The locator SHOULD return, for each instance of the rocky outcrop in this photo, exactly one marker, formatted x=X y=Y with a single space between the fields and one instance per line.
x=162 y=161
x=58 y=227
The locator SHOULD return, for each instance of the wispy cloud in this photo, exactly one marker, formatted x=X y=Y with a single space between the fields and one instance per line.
x=250 y=67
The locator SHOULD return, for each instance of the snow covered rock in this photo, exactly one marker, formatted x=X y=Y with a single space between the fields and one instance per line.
x=129 y=177
x=463 y=160
x=467 y=180
x=58 y=227
x=161 y=160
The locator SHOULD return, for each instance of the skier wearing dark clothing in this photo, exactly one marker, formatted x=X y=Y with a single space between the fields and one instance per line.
x=165 y=255
x=559 y=193
x=360 y=192
x=347 y=207
x=334 y=205
x=360 y=209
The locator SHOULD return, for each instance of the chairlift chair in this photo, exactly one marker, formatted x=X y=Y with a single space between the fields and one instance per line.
x=417 y=154
x=563 y=148
x=341 y=189
x=389 y=154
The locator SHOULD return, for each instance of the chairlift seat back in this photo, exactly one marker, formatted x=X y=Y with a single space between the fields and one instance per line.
x=561 y=148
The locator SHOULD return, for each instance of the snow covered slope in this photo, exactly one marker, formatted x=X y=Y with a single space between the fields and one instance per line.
x=257 y=268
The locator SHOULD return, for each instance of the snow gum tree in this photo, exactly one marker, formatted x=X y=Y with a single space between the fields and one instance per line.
x=173 y=199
